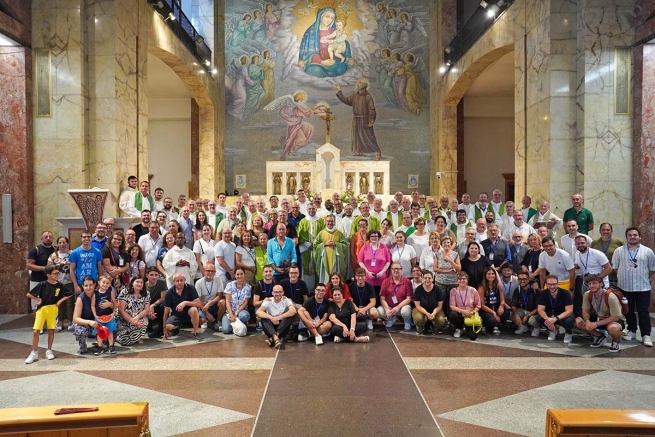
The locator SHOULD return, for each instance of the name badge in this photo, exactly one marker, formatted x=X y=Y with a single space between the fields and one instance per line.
x=491 y=256
x=121 y=262
x=317 y=319
x=394 y=299
x=530 y=269
x=372 y=263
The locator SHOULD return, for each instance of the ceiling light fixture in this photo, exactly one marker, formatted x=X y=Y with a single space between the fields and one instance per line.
x=491 y=13
x=215 y=70
x=484 y=4
x=442 y=69
x=207 y=63
x=448 y=50
x=171 y=16
x=199 y=39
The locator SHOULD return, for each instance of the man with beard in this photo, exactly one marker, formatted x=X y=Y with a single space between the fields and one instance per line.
x=126 y=196
x=141 y=201
x=168 y=209
x=330 y=251
x=363 y=136
x=180 y=260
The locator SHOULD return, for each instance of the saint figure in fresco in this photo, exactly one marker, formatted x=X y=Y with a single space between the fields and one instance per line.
x=363 y=135
x=314 y=57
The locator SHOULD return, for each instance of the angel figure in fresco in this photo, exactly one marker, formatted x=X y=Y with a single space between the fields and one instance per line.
x=314 y=57
x=384 y=80
x=293 y=111
x=415 y=72
x=309 y=5
x=272 y=20
x=238 y=71
x=344 y=8
x=258 y=28
x=241 y=31
x=381 y=18
x=254 y=91
x=268 y=82
x=406 y=29
x=393 y=26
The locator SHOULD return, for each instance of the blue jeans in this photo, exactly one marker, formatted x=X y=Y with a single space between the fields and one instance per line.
x=244 y=316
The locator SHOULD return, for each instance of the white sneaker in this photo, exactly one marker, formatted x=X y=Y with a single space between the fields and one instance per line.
x=302 y=337
x=522 y=330
x=552 y=335
x=535 y=332
x=34 y=356
x=369 y=325
x=458 y=333
x=647 y=341
x=568 y=338
x=630 y=336
x=49 y=355
x=319 y=340
x=496 y=330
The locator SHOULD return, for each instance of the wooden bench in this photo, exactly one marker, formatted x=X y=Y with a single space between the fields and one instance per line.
x=605 y=423
x=111 y=420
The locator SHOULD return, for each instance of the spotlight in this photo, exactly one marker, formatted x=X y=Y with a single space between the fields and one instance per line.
x=214 y=71
x=484 y=4
x=171 y=16
x=207 y=63
x=195 y=64
x=201 y=71
x=442 y=69
x=454 y=70
x=449 y=63
x=491 y=13
x=199 y=39
x=448 y=50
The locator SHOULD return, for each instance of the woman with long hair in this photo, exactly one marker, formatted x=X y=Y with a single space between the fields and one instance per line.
x=203 y=249
x=136 y=266
x=115 y=261
x=60 y=258
x=386 y=236
x=169 y=243
x=133 y=307
x=474 y=264
x=201 y=220
x=492 y=301
x=336 y=282
x=245 y=257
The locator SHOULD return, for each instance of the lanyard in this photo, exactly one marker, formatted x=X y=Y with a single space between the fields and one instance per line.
x=605 y=248
x=267 y=290
x=633 y=258
x=154 y=242
x=553 y=303
x=585 y=264
x=318 y=308
x=209 y=289
x=373 y=252
x=600 y=302
x=465 y=296
x=525 y=299
x=531 y=256
x=395 y=289
x=238 y=292
x=400 y=252
x=361 y=294
x=506 y=288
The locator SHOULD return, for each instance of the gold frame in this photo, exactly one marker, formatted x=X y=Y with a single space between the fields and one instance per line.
x=40 y=70
x=628 y=73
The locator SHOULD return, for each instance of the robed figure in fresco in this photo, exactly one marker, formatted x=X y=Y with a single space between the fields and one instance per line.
x=363 y=135
x=314 y=57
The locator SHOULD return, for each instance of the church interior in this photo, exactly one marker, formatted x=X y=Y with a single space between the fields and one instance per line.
x=539 y=98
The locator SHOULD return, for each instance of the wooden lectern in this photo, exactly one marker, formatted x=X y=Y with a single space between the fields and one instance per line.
x=111 y=420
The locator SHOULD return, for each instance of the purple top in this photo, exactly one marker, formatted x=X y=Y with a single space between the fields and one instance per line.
x=382 y=256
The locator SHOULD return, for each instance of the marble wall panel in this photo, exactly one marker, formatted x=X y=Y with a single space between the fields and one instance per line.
x=15 y=158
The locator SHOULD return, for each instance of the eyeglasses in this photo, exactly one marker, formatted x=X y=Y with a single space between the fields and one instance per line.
x=552 y=285
x=461 y=279
x=396 y=268
x=362 y=224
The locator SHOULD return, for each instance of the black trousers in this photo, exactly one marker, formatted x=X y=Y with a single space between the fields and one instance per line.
x=638 y=301
x=280 y=329
x=156 y=326
x=457 y=319
x=360 y=329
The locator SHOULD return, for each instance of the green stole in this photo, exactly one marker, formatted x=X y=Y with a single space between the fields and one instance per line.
x=138 y=201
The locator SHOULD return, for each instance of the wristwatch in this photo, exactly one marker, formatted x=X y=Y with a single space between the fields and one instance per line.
x=557 y=318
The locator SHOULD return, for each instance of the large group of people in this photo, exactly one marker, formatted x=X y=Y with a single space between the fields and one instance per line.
x=300 y=268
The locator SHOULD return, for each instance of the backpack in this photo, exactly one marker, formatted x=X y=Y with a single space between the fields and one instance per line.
x=622 y=300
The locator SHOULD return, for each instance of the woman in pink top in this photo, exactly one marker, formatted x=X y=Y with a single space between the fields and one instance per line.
x=375 y=258
x=464 y=300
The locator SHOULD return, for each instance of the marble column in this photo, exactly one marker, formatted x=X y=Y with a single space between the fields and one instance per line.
x=195 y=149
x=60 y=152
x=15 y=160
x=115 y=55
x=604 y=137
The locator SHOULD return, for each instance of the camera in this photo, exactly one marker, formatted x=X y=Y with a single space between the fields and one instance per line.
x=439 y=174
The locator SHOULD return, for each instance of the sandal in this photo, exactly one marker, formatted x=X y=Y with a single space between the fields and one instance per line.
x=363 y=339
x=277 y=343
x=269 y=342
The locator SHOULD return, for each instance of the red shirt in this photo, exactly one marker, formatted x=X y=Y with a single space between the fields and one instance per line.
x=389 y=289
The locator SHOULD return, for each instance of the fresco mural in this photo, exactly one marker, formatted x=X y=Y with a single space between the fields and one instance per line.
x=365 y=63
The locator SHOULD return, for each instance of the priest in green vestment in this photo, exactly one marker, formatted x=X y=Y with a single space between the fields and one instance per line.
x=331 y=250
x=308 y=229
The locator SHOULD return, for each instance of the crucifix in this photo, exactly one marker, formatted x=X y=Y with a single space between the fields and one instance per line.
x=328 y=117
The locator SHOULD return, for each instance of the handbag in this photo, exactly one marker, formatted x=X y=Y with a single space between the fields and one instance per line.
x=474 y=320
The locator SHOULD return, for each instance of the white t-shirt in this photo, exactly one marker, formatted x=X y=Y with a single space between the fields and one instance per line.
x=558 y=264
x=205 y=249
x=227 y=251
x=207 y=290
x=277 y=309
x=404 y=257
x=247 y=255
x=592 y=262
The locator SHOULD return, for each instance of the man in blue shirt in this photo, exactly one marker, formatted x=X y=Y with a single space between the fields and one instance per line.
x=84 y=261
x=281 y=253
